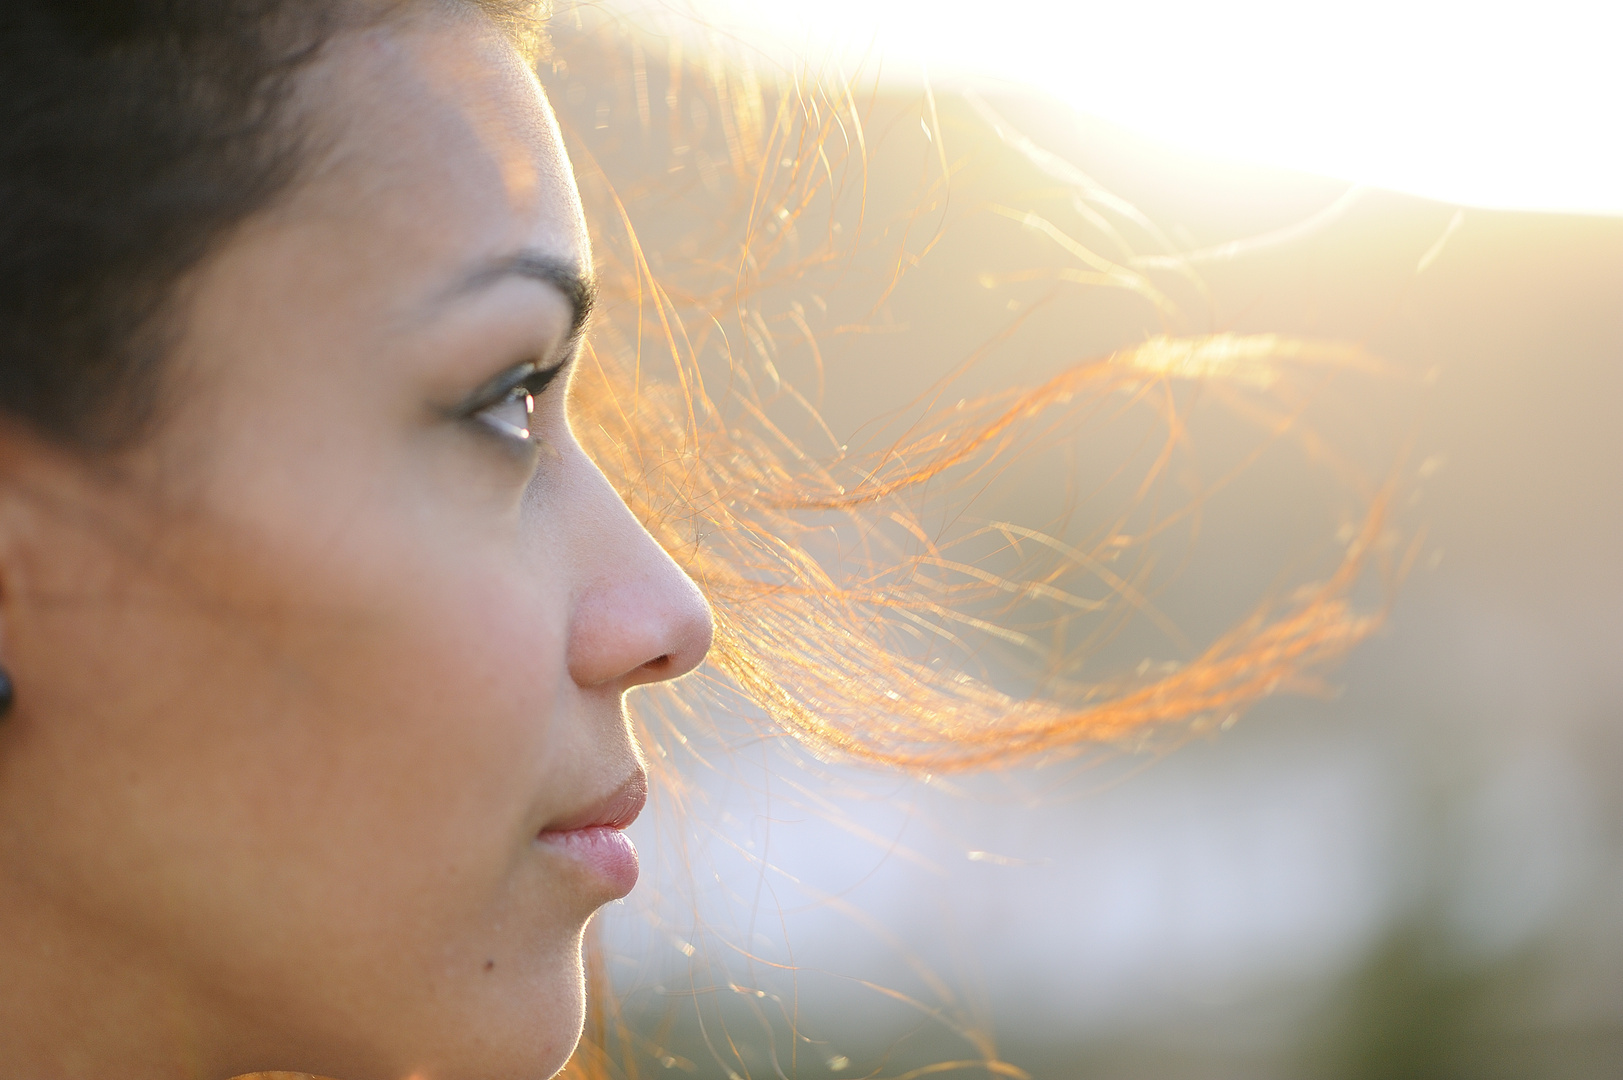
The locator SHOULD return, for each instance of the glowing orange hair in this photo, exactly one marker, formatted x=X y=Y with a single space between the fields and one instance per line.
x=845 y=611
x=736 y=500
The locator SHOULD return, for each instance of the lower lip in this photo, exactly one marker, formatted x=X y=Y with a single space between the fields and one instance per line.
x=608 y=853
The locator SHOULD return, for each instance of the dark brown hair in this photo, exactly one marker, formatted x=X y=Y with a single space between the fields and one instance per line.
x=134 y=135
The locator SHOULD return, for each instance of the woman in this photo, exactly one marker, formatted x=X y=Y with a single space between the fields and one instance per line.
x=318 y=629
x=315 y=619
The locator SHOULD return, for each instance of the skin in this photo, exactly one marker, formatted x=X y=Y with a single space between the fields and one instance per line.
x=301 y=680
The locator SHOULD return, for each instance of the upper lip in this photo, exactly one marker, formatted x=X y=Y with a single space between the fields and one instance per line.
x=615 y=810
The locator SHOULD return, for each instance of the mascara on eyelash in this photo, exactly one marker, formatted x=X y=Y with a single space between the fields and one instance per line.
x=493 y=392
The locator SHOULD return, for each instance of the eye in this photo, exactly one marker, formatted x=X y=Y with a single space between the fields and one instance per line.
x=511 y=415
x=506 y=405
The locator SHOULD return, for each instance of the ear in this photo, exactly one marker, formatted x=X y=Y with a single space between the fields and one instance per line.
x=20 y=455
x=16 y=520
x=43 y=489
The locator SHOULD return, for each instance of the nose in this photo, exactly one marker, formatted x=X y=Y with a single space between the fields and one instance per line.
x=637 y=617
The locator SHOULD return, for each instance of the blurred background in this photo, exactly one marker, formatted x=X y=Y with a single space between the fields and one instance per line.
x=1417 y=872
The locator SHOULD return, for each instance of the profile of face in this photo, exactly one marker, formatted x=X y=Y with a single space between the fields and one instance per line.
x=319 y=743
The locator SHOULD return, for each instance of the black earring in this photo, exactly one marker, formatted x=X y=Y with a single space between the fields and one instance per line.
x=6 y=692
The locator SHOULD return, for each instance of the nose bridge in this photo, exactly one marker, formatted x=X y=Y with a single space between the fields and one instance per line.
x=637 y=616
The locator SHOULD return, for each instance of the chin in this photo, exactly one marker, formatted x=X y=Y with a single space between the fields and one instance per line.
x=521 y=1032
x=520 y=1027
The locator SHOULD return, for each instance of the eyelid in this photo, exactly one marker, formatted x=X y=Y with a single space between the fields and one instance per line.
x=528 y=375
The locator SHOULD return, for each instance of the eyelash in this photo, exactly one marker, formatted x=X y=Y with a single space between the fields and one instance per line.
x=522 y=394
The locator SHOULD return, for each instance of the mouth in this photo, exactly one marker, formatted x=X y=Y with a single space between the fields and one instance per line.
x=594 y=836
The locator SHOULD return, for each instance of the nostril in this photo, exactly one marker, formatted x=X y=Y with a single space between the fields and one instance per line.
x=659 y=663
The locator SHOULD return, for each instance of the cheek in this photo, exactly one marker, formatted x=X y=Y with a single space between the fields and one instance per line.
x=338 y=754
x=423 y=711
x=338 y=766
x=442 y=709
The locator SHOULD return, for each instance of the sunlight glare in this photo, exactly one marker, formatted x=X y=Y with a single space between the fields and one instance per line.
x=1507 y=105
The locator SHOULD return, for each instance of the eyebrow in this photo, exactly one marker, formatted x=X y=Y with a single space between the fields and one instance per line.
x=578 y=285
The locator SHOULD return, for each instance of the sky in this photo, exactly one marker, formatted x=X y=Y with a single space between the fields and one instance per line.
x=1500 y=105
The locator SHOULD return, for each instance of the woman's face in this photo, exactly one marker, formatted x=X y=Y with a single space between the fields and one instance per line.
x=317 y=693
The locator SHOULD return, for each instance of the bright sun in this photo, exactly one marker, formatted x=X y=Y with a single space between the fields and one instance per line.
x=1508 y=105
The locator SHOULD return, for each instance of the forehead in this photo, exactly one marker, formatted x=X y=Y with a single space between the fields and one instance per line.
x=435 y=132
